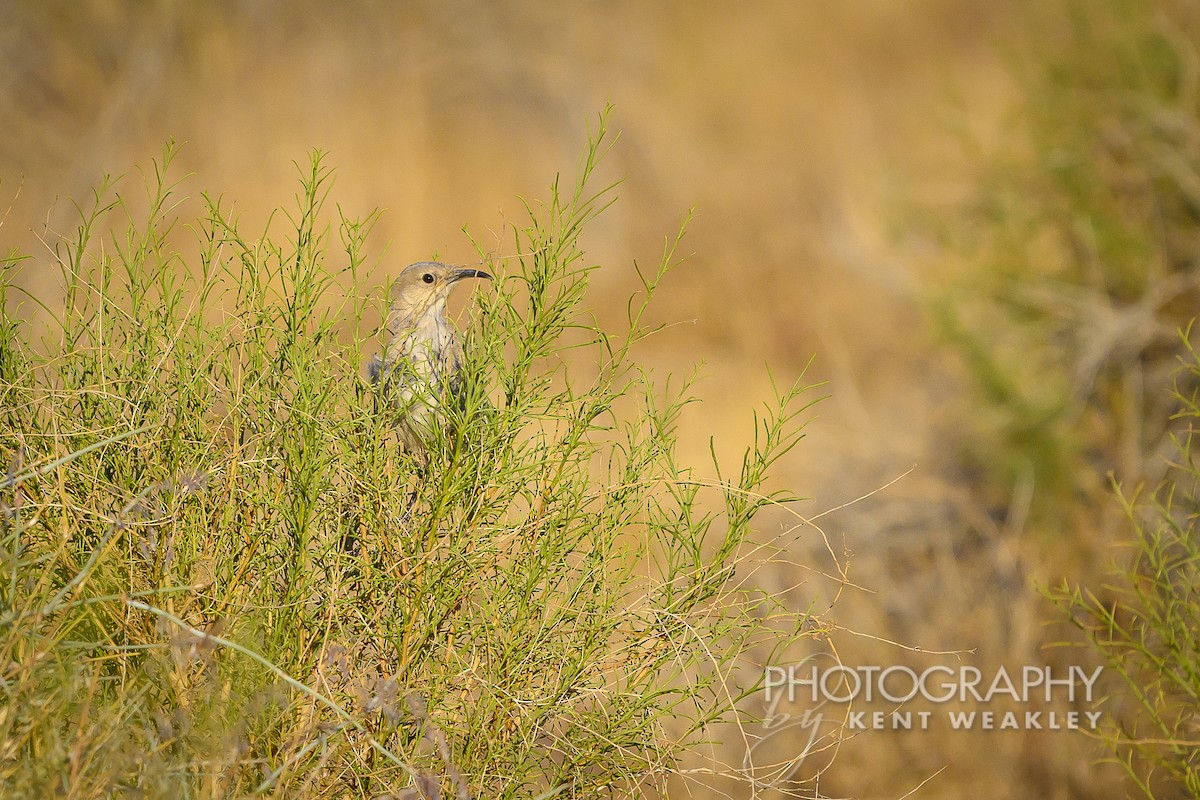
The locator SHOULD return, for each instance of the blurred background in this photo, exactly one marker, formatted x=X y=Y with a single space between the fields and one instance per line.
x=886 y=187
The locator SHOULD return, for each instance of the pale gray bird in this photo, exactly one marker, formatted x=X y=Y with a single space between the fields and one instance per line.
x=421 y=365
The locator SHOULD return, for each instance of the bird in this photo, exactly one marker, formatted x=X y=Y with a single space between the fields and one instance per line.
x=420 y=370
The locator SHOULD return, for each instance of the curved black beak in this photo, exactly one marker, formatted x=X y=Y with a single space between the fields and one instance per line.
x=459 y=274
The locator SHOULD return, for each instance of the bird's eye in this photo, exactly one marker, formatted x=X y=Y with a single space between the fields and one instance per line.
x=427 y=277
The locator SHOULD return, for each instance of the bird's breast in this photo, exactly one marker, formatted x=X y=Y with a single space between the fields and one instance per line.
x=429 y=352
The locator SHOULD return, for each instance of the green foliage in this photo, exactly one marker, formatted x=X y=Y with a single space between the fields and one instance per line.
x=1082 y=253
x=1083 y=269
x=1147 y=624
x=211 y=579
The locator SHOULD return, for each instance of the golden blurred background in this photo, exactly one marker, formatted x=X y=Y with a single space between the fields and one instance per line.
x=802 y=133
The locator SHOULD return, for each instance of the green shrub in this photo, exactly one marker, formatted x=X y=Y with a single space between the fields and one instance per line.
x=212 y=583
x=1079 y=268
x=1146 y=623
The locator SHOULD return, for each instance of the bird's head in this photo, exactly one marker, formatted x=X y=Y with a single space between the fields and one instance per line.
x=424 y=286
